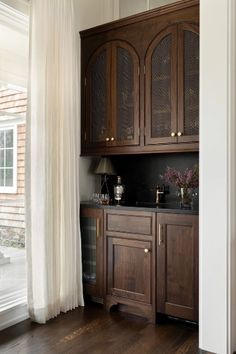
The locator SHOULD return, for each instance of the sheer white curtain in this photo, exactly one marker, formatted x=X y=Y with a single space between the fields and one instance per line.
x=52 y=155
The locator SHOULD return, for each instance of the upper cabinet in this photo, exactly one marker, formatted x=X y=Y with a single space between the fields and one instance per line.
x=172 y=86
x=140 y=83
x=112 y=96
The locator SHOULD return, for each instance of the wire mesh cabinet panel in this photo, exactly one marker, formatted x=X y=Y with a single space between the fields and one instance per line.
x=161 y=88
x=97 y=83
x=188 y=80
x=91 y=223
x=125 y=94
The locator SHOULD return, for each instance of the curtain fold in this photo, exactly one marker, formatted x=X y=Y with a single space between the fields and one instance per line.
x=52 y=157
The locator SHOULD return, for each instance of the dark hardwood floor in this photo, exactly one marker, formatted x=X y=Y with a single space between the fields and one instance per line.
x=92 y=330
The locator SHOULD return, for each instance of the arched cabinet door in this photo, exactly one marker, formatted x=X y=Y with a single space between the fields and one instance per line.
x=161 y=88
x=188 y=83
x=125 y=95
x=97 y=92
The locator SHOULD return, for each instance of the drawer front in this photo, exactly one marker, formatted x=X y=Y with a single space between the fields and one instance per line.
x=132 y=223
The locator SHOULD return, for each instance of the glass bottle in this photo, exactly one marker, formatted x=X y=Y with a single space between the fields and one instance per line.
x=119 y=189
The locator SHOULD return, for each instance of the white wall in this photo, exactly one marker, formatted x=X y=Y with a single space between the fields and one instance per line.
x=90 y=13
x=13 y=56
x=215 y=173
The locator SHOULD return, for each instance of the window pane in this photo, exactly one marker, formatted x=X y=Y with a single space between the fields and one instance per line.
x=9 y=138
x=1 y=158
x=1 y=138
x=2 y=178
x=9 y=158
x=9 y=177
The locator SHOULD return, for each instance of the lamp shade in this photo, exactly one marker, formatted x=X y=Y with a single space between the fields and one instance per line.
x=105 y=167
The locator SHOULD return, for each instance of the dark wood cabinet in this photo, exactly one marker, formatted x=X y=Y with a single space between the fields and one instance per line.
x=177 y=265
x=172 y=86
x=129 y=261
x=145 y=263
x=91 y=223
x=112 y=97
x=140 y=83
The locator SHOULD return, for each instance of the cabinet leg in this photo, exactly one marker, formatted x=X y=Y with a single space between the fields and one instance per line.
x=109 y=303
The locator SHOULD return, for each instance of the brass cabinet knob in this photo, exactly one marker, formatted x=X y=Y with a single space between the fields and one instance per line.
x=173 y=134
x=112 y=138
x=107 y=139
x=146 y=250
x=179 y=134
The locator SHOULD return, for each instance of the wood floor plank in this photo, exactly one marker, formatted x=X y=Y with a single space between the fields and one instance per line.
x=91 y=330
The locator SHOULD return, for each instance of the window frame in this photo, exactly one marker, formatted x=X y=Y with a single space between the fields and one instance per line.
x=13 y=189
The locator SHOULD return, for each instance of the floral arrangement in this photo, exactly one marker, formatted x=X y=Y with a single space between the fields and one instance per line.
x=187 y=179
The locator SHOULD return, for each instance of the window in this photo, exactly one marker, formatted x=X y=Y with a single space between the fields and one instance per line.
x=8 y=155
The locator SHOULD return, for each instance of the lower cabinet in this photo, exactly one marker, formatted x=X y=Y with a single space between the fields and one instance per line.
x=129 y=265
x=146 y=263
x=91 y=223
x=177 y=265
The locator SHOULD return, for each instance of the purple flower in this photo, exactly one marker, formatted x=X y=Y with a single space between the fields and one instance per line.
x=188 y=179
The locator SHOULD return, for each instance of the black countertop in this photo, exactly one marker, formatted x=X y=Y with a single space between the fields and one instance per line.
x=173 y=208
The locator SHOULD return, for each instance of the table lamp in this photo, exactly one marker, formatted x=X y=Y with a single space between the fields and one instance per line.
x=105 y=168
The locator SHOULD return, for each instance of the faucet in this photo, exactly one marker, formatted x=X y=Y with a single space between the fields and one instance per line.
x=160 y=194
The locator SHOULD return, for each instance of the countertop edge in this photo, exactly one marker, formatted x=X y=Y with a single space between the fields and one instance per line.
x=89 y=204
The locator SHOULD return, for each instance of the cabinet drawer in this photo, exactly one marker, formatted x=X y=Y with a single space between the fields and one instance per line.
x=129 y=222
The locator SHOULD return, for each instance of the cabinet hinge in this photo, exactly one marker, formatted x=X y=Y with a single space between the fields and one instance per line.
x=144 y=70
x=85 y=81
x=85 y=136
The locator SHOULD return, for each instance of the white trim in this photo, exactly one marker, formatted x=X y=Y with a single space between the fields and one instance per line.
x=13 y=189
x=11 y=119
x=232 y=177
x=13 y=315
x=13 y=18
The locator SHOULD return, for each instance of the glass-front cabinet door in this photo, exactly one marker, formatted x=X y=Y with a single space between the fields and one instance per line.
x=188 y=83
x=91 y=223
x=161 y=89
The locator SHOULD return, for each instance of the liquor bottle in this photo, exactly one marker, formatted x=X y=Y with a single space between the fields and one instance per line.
x=119 y=189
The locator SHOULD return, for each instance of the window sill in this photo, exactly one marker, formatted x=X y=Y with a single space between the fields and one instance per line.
x=13 y=309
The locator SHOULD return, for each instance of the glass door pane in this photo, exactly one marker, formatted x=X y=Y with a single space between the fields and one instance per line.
x=89 y=245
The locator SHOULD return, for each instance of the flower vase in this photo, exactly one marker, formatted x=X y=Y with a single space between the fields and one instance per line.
x=186 y=198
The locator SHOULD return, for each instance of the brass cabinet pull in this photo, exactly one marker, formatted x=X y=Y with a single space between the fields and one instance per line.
x=112 y=138
x=173 y=134
x=161 y=240
x=98 y=228
x=146 y=250
x=107 y=139
x=180 y=134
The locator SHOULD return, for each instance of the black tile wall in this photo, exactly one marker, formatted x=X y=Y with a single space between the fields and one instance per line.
x=141 y=173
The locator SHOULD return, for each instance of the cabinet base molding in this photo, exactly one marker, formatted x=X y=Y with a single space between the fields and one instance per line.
x=133 y=307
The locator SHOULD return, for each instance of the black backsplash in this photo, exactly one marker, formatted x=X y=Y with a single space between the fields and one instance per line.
x=141 y=173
